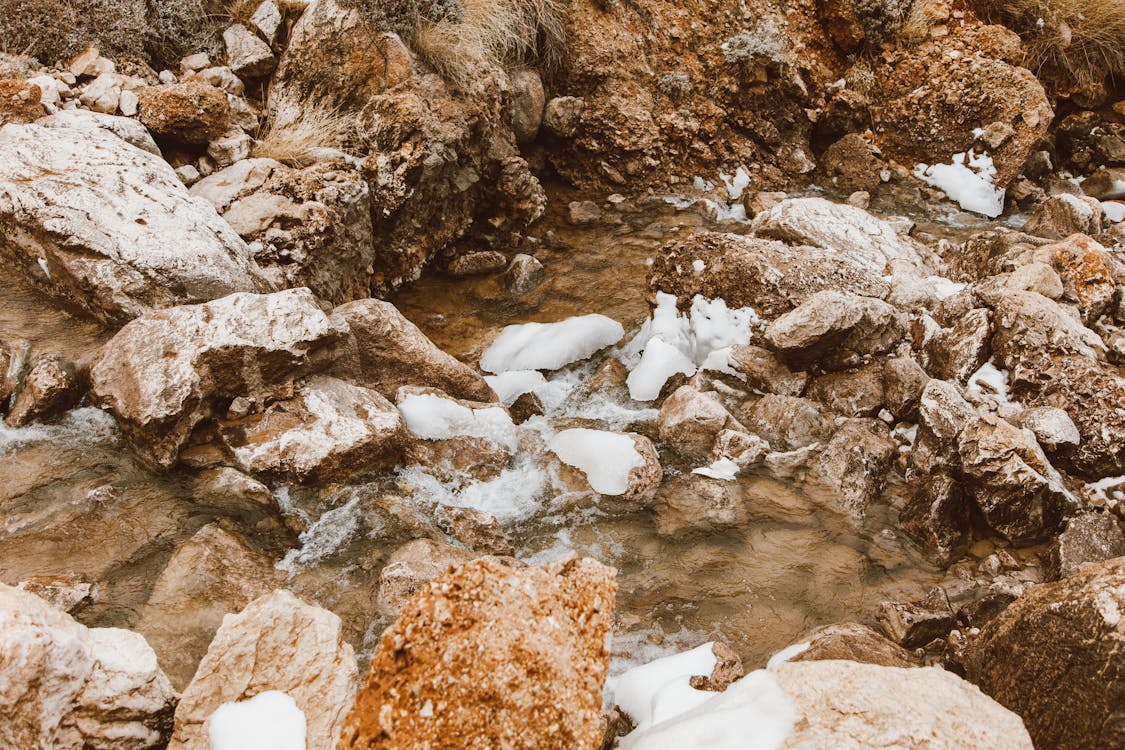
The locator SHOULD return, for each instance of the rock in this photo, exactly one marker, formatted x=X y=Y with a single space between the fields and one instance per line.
x=475 y=529
x=854 y=465
x=528 y=102
x=744 y=449
x=329 y=431
x=212 y=574
x=769 y=276
x=71 y=687
x=1087 y=538
x=843 y=704
x=853 y=393
x=234 y=493
x=1089 y=273
x=98 y=214
x=1063 y=215
x=689 y=420
x=562 y=115
x=501 y=654
x=103 y=93
x=645 y=479
x=189 y=112
x=239 y=180
x=1019 y=493
x=125 y=128
x=1053 y=428
x=786 y=422
x=385 y=351
x=851 y=641
x=276 y=643
x=1030 y=329
x=478 y=263
x=764 y=371
x=524 y=274
x=247 y=55
x=233 y=145
x=460 y=461
x=914 y=624
x=870 y=243
x=89 y=63
x=790 y=464
x=164 y=373
x=49 y=388
x=266 y=18
x=583 y=213
x=695 y=503
x=836 y=330
x=410 y=567
x=1055 y=657
x=956 y=353
x=942 y=415
x=1037 y=277
x=903 y=383
x=1105 y=183
x=937 y=517
x=20 y=101
x=526 y=406
x=66 y=592
x=852 y=165
x=728 y=669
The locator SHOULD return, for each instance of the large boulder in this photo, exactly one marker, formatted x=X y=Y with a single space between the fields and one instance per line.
x=844 y=704
x=495 y=654
x=88 y=217
x=854 y=465
x=70 y=687
x=1056 y=656
x=689 y=420
x=164 y=373
x=835 y=330
x=276 y=643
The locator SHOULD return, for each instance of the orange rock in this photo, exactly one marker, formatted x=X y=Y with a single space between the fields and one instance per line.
x=490 y=655
x=19 y=101
x=192 y=111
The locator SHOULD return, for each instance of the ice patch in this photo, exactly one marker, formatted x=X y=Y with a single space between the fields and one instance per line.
x=432 y=417
x=724 y=469
x=268 y=721
x=606 y=458
x=1107 y=603
x=786 y=654
x=698 y=266
x=737 y=183
x=659 y=690
x=509 y=386
x=1114 y=211
x=968 y=181
x=549 y=346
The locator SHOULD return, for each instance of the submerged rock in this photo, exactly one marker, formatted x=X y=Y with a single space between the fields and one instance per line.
x=88 y=217
x=70 y=687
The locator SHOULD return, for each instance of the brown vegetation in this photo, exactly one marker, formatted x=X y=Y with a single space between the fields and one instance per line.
x=296 y=142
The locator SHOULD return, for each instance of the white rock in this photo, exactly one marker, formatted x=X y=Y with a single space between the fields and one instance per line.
x=267 y=19
x=247 y=55
x=103 y=93
x=230 y=147
x=240 y=179
x=129 y=130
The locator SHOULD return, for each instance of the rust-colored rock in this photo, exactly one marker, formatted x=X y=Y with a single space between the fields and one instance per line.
x=491 y=656
x=190 y=112
x=19 y=101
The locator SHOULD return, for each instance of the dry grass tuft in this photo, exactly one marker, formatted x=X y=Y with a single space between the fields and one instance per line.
x=1083 y=40
x=297 y=141
x=501 y=32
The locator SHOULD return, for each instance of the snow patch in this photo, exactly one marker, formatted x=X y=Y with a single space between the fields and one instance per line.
x=943 y=287
x=606 y=458
x=723 y=468
x=1107 y=603
x=549 y=346
x=660 y=690
x=990 y=380
x=432 y=417
x=786 y=654
x=268 y=721
x=1114 y=211
x=968 y=181
x=509 y=386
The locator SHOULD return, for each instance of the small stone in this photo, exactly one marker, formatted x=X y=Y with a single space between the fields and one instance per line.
x=188 y=174
x=49 y=388
x=103 y=94
x=410 y=567
x=728 y=669
x=563 y=115
x=1037 y=277
x=477 y=263
x=231 y=147
x=690 y=420
x=191 y=112
x=193 y=63
x=267 y=20
x=854 y=642
x=1090 y=537
x=525 y=274
x=90 y=64
x=1052 y=426
x=903 y=383
x=476 y=529
x=528 y=102
x=915 y=624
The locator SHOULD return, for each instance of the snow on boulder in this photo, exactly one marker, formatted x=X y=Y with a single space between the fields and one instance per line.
x=968 y=181
x=614 y=463
x=431 y=415
x=549 y=346
x=660 y=690
x=509 y=386
x=109 y=227
x=268 y=721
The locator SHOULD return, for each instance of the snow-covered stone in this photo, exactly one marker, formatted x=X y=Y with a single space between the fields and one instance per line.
x=549 y=346
x=432 y=415
x=614 y=463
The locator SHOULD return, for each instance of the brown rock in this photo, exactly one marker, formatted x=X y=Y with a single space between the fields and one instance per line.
x=478 y=263
x=19 y=101
x=410 y=567
x=1063 y=215
x=836 y=330
x=475 y=529
x=459 y=460
x=692 y=502
x=1057 y=658
x=1090 y=275
x=956 y=353
x=764 y=371
x=914 y=624
x=853 y=393
x=191 y=112
x=851 y=164
x=523 y=275
x=1088 y=538
x=854 y=464
x=937 y=517
x=583 y=213
x=851 y=641
x=727 y=670
x=786 y=422
x=689 y=421
x=903 y=382
x=489 y=656
x=49 y=388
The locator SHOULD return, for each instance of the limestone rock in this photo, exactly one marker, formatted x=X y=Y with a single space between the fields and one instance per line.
x=247 y=55
x=1090 y=274
x=474 y=528
x=1087 y=538
x=524 y=274
x=1053 y=428
x=1063 y=215
x=385 y=351
x=914 y=624
x=943 y=413
x=125 y=128
x=189 y=112
x=1037 y=277
x=689 y=420
x=937 y=517
x=20 y=101
x=903 y=383
x=167 y=371
x=956 y=353
x=854 y=464
x=695 y=503
x=50 y=387
x=764 y=371
x=853 y=393
x=87 y=216
x=851 y=641
x=843 y=704
x=460 y=460
x=742 y=448
x=492 y=654
x=478 y=263
x=528 y=102
x=786 y=422
x=410 y=567
x=276 y=643
x=1056 y=657
x=835 y=329
x=70 y=687
x=239 y=180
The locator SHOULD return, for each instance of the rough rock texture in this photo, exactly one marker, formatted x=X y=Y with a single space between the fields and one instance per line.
x=88 y=217
x=276 y=643
x=125 y=128
x=937 y=517
x=70 y=687
x=490 y=655
x=852 y=393
x=330 y=430
x=689 y=421
x=644 y=480
x=903 y=382
x=854 y=464
x=385 y=351
x=835 y=330
x=212 y=574
x=769 y=276
x=19 y=101
x=474 y=528
x=691 y=502
x=787 y=422
x=957 y=352
x=1090 y=537
x=189 y=112
x=164 y=373
x=50 y=387
x=1056 y=656
x=914 y=624
x=1063 y=215
x=851 y=641
x=843 y=704
x=764 y=371
x=410 y=567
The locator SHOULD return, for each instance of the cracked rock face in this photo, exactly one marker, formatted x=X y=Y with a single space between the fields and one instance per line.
x=87 y=217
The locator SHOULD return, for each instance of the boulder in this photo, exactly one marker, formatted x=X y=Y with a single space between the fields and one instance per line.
x=843 y=704
x=943 y=413
x=50 y=387
x=689 y=420
x=247 y=55
x=851 y=641
x=189 y=112
x=852 y=393
x=385 y=351
x=1063 y=215
x=212 y=574
x=786 y=422
x=223 y=188
x=410 y=567
x=329 y=431
x=903 y=383
x=501 y=654
x=1087 y=538
x=744 y=449
x=528 y=103
x=854 y=465
x=937 y=517
x=1053 y=428
x=835 y=330
x=164 y=373
x=1056 y=656
x=695 y=503
x=767 y=275
x=1037 y=277
x=125 y=128
x=1090 y=274
x=763 y=370
x=957 y=352
x=87 y=217
x=276 y=643
x=70 y=687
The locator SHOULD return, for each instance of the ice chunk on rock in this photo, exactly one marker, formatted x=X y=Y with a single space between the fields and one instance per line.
x=608 y=459
x=549 y=346
x=968 y=181
x=660 y=690
x=432 y=417
x=268 y=721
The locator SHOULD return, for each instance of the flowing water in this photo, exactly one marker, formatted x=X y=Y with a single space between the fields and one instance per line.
x=74 y=500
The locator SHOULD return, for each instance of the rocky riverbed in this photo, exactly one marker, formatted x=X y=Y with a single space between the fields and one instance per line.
x=561 y=375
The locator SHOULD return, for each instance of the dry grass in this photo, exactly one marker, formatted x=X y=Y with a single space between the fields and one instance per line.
x=1083 y=40
x=296 y=141
x=501 y=32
